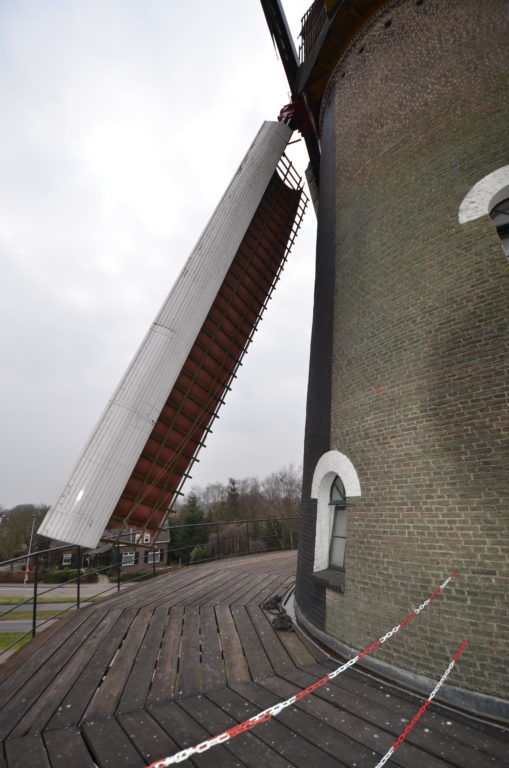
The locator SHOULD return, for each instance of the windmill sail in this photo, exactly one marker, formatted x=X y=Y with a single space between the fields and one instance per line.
x=149 y=434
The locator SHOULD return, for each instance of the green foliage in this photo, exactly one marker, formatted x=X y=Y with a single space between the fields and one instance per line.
x=184 y=540
x=89 y=576
x=259 y=501
x=58 y=576
x=20 y=615
x=193 y=513
x=277 y=495
x=15 y=577
x=232 y=501
x=7 y=638
x=271 y=506
x=61 y=576
x=130 y=576
x=200 y=552
x=16 y=527
x=15 y=600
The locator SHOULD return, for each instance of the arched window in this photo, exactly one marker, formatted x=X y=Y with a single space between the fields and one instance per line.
x=490 y=196
x=500 y=218
x=334 y=480
x=337 y=504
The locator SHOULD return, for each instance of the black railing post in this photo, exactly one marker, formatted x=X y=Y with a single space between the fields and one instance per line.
x=248 y=544
x=154 y=562
x=78 y=580
x=34 y=605
x=118 y=567
x=218 y=545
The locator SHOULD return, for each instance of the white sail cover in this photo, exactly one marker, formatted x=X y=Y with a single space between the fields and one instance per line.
x=83 y=509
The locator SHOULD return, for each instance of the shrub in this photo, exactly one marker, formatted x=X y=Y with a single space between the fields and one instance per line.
x=257 y=545
x=199 y=552
x=61 y=576
x=15 y=577
x=58 y=576
x=130 y=576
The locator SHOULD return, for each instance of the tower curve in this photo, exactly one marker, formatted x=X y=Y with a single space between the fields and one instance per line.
x=408 y=367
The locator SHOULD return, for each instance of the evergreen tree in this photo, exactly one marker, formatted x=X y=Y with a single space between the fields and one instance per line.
x=184 y=539
x=232 y=500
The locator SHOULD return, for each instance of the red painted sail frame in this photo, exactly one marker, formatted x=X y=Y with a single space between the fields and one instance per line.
x=205 y=377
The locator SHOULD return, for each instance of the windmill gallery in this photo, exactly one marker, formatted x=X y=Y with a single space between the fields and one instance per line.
x=401 y=104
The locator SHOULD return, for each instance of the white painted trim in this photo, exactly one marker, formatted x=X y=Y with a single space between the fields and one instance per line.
x=484 y=195
x=329 y=465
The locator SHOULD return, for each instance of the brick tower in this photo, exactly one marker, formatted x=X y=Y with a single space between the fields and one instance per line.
x=405 y=459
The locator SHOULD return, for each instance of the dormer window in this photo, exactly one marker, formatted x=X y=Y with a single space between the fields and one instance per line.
x=337 y=505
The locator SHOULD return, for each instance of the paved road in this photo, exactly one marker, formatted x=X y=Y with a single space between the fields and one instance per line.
x=42 y=606
x=64 y=590
x=25 y=625
x=87 y=590
x=20 y=625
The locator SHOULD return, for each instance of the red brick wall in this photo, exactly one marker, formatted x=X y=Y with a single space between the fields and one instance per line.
x=419 y=359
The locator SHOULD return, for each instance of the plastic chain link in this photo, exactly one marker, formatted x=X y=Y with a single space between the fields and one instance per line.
x=267 y=714
x=401 y=738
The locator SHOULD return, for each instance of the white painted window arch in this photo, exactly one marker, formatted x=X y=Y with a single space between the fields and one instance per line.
x=485 y=199
x=330 y=465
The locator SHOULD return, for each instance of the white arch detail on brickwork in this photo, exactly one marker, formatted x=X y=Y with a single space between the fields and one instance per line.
x=484 y=195
x=329 y=465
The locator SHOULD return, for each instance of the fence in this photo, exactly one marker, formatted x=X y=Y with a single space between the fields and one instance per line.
x=312 y=24
x=186 y=545
x=202 y=542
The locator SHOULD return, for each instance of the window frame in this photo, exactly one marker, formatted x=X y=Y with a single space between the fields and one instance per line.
x=503 y=227
x=152 y=556
x=337 y=506
x=329 y=465
x=482 y=199
x=126 y=564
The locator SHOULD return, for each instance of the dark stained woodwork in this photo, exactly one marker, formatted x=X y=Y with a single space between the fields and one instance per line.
x=124 y=685
x=204 y=379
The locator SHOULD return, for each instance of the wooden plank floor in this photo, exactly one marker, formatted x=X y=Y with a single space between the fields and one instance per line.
x=166 y=664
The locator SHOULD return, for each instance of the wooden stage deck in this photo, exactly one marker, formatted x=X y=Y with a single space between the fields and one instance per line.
x=164 y=665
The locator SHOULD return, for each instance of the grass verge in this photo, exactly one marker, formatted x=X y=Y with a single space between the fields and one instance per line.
x=16 y=599
x=18 y=615
x=6 y=638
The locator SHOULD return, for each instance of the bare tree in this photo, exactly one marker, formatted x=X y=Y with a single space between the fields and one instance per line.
x=278 y=495
x=282 y=491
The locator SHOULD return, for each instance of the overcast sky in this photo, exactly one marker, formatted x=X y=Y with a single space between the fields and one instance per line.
x=122 y=123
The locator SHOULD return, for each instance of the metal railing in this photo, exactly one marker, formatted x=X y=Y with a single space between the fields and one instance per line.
x=187 y=544
x=221 y=539
x=312 y=24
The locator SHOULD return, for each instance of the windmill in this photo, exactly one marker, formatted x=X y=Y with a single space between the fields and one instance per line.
x=403 y=473
x=405 y=426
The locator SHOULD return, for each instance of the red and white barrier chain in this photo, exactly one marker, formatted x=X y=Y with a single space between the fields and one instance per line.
x=268 y=714
x=423 y=709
